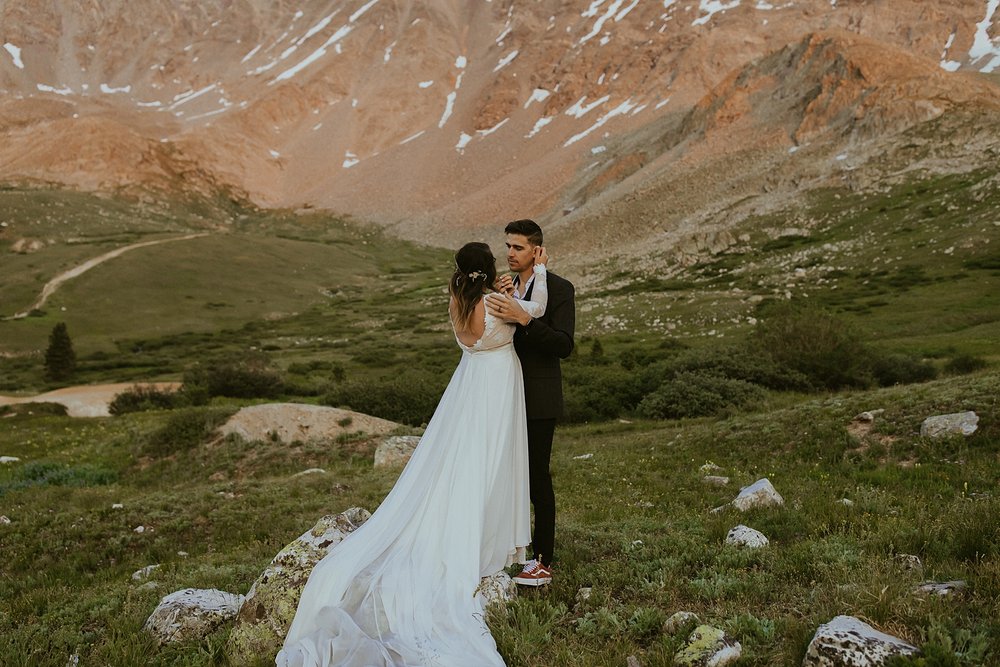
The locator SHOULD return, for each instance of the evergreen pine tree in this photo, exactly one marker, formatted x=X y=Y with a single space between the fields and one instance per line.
x=60 y=359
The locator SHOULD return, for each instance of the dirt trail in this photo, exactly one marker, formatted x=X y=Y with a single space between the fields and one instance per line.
x=53 y=285
x=85 y=400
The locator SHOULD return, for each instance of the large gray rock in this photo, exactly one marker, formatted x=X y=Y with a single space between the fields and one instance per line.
x=759 y=494
x=270 y=605
x=959 y=423
x=191 y=613
x=848 y=642
x=396 y=451
x=708 y=647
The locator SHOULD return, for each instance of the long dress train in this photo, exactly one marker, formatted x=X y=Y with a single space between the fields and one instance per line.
x=400 y=590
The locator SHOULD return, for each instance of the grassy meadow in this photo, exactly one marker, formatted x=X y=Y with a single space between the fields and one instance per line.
x=906 y=282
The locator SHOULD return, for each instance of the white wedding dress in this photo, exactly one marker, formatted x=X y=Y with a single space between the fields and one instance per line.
x=400 y=591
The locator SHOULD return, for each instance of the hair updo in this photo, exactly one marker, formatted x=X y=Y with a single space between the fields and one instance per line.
x=475 y=273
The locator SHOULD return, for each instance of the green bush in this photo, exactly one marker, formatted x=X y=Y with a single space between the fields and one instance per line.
x=139 y=398
x=599 y=392
x=964 y=363
x=698 y=394
x=409 y=398
x=741 y=362
x=42 y=473
x=815 y=343
x=249 y=376
x=893 y=369
x=185 y=429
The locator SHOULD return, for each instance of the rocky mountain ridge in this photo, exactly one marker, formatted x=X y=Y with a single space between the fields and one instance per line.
x=440 y=119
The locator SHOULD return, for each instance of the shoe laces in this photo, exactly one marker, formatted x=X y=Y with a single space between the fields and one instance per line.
x=531 y=566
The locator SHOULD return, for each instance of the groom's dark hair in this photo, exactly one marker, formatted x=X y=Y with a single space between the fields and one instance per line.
x=526 y=228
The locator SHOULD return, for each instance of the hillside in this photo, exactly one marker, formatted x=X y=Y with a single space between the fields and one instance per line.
x=442 y=119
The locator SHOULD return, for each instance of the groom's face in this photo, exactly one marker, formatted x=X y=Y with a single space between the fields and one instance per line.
x=520 y=252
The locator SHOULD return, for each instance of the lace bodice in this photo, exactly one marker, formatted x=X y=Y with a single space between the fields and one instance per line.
x=499 y=333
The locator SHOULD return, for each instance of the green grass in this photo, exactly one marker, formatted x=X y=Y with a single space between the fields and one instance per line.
x=634 y=524
x=336 y=305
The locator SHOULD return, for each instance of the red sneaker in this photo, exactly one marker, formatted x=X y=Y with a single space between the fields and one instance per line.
x=534 y=574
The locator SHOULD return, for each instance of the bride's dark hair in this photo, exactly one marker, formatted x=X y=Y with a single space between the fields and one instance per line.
x=475 y=273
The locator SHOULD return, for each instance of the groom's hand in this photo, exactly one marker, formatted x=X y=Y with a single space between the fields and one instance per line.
x=507 y=309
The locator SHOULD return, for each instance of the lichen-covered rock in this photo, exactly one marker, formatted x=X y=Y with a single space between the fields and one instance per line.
x=497 y=589
x=708 y=647
x=191 y=613
x=270 y=605
x=848 y=642
x=396 y=451
x=744 y=536
x=959 y=423
x=759 y=494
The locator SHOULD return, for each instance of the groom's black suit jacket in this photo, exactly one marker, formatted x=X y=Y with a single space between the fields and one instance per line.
x=541 y=345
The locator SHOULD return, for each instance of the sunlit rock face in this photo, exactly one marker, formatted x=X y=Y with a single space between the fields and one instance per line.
x=440 y=116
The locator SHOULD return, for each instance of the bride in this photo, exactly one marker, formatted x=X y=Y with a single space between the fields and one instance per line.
x=400 y=591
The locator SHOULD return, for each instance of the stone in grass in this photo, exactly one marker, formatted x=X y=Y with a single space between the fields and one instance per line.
x=847 y=641
x=743 y=536
x=632 y=661
x=759 y=494
x=941 y=588
x=396 y=451
x=709 y=469
x=679 y=621
x=271 y=602
x=716 y=480
x=144 y=573
x=9 y=459
x=497 y=589
x=191 y=613
x=959 y=423
x=708 y=647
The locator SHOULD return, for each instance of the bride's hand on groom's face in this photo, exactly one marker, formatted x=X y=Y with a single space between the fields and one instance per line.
x=541 y=256
x=506 y=308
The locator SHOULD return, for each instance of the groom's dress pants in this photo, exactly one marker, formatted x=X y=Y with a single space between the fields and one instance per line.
x=543 y=499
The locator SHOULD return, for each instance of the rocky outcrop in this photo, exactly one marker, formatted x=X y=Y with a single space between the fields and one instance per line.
x=288 y=422
x=191 y=614
x=848 y=642
x=271 y=602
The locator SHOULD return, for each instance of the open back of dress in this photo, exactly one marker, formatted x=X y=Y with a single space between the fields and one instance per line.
x=400 y=590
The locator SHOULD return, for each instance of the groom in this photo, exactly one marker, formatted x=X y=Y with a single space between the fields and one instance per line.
x=540 y=344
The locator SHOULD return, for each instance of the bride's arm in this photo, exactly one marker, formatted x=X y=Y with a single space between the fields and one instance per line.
x=539 y=293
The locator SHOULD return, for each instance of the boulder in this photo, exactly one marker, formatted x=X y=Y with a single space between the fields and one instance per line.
x=742 y=536
x=270 y=605
x=941 y=426
x=708 y=647
x=191 y=613
x=758 y=494
x=396 y=450
x=497 y=589
x=848 y=642
x=288 y=422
